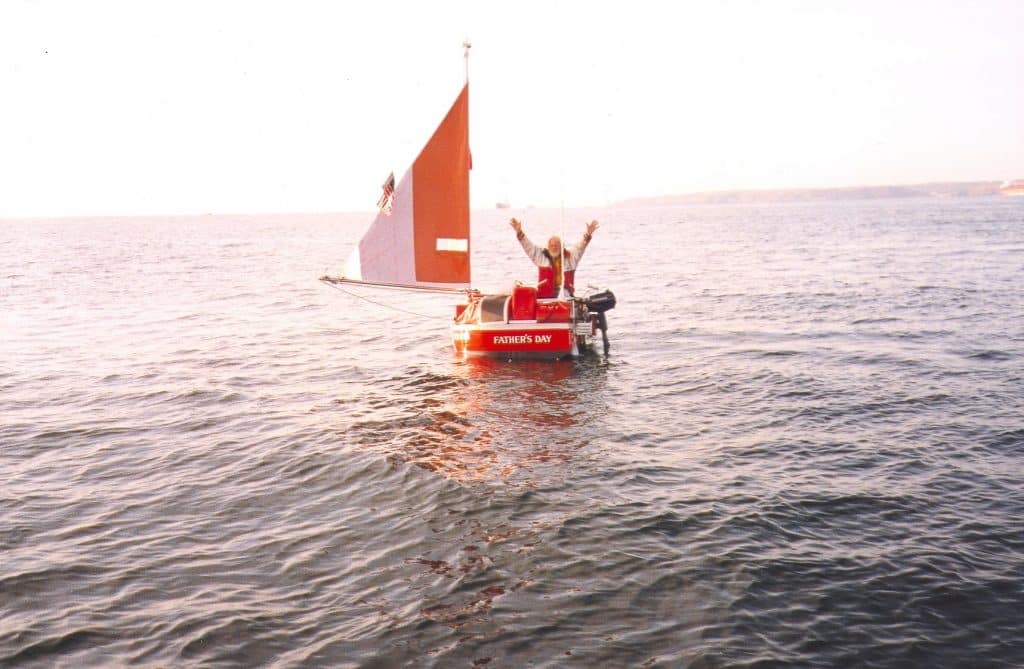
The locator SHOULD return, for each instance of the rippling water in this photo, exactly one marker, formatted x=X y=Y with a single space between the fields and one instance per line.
x=805 y=449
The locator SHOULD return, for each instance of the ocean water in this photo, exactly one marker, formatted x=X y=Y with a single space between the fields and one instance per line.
x=805 y=449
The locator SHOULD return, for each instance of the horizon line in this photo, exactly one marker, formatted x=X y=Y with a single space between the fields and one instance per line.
x=626 y=201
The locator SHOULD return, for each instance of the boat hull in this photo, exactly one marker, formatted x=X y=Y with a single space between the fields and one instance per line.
x=511 y=341
x=521 y=327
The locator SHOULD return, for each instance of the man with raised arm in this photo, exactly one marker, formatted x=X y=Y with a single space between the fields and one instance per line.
x=549 y=260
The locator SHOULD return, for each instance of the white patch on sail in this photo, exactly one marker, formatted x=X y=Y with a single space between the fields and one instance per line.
x=448 y=244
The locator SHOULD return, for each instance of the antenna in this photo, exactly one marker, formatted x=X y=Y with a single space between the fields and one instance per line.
x=561 y=230
x=467 y=46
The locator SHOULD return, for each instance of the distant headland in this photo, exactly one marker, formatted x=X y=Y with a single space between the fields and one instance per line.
x=953 y=189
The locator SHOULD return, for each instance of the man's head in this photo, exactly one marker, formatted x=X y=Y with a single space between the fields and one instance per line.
x=555 y=246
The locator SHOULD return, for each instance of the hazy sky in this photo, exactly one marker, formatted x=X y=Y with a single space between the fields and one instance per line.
x=192 y=107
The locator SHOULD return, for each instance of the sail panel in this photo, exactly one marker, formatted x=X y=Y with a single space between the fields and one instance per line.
x=441 y=198
x=386 y=251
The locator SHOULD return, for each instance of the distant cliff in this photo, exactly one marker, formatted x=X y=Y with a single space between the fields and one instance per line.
x=945 y=189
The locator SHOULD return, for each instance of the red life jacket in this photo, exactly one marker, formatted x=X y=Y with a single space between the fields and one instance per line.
x=546 y=287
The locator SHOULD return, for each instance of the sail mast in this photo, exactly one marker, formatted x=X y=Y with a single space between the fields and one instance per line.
x=466 y=46
x=561 y=232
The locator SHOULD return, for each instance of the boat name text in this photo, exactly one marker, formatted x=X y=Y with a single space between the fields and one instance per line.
x=523 y=339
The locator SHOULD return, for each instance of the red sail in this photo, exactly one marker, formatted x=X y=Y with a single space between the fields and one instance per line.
x=424 y=240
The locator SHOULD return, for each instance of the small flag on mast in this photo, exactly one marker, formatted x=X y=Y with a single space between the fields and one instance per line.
x=386 y=198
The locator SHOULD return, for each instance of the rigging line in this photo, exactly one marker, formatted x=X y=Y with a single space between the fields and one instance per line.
x=392 y=286
x=379 y=304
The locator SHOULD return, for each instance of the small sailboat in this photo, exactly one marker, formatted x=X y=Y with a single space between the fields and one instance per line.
x=420 y=240
x=1012 y=188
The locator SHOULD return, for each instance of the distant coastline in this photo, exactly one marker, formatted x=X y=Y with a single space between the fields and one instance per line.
x=955 y=189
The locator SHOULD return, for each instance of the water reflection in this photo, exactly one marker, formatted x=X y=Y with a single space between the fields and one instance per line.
x=501 y=420
x=520 y=424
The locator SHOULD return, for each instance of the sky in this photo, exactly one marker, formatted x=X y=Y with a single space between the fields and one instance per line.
x=133 y=108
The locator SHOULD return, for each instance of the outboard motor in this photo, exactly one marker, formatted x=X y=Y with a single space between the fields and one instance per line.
x=601 y=302
x=598 y=303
